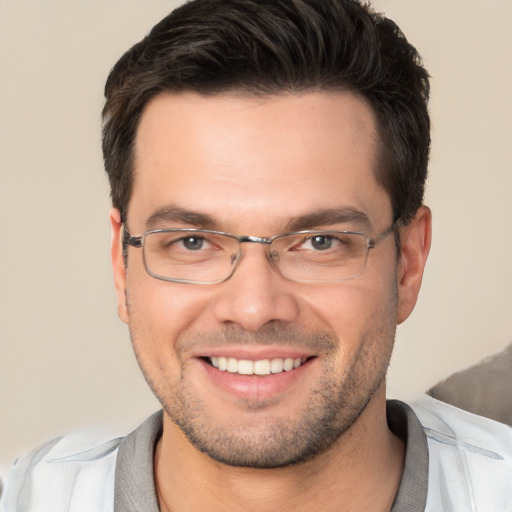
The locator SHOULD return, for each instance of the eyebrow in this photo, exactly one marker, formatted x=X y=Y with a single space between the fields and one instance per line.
x=327 y=217
x=177 y=214
x=330 y=217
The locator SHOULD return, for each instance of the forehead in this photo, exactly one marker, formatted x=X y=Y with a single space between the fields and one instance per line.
x=256 y=158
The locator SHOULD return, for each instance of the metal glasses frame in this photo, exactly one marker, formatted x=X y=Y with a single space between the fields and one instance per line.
x=138 y=242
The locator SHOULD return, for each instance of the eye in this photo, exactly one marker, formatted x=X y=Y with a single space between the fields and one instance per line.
x=321 y=242
x=318 y=242
x=328 y=243
x=193 y=243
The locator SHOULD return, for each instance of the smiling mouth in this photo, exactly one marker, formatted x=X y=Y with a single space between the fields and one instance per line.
x=259 y=367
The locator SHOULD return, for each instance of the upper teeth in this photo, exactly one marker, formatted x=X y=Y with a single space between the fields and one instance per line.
x=260 y=367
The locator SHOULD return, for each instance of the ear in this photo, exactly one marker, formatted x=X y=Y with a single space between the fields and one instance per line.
x=415 y=240
x=118 y=266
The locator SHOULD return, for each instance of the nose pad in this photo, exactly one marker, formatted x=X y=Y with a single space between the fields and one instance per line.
x=255 y=294
x=273 y=258
x=234 y=261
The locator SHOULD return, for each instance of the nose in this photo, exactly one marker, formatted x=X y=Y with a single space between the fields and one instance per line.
x=256 y=294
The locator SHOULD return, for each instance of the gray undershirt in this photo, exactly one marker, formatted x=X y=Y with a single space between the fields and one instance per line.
x=135 y=485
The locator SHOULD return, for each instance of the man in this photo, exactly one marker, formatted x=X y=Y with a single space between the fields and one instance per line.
x=267 y=163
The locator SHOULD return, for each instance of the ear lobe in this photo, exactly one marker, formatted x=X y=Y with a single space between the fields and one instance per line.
x=415 y=239
x=118 y=266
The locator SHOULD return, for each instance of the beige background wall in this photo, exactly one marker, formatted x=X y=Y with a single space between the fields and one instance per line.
x=65 y=358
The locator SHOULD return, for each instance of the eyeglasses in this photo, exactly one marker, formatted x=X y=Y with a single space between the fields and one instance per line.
x=202 y=256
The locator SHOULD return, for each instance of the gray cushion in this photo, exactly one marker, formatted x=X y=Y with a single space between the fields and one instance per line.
x=484 y=389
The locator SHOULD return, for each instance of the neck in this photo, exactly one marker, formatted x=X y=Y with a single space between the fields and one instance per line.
x=359 y=472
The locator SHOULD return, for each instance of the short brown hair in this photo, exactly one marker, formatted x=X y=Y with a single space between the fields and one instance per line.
x=270 y=47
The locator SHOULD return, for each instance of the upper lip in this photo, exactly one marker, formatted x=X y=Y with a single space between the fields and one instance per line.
x=255 y=354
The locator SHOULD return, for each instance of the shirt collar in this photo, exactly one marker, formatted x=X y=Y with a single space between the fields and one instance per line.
x=135 y=485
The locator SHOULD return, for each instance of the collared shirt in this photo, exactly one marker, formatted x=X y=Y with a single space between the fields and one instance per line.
x=464 y=465
x=134 y=488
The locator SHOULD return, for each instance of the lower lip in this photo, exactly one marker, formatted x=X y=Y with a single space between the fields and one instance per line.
x=255 y=387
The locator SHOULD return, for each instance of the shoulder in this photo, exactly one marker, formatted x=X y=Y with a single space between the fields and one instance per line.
x=73 y=473
x=470 y=458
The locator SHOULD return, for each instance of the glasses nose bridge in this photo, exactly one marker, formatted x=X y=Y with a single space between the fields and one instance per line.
x=254 y=240
x=251 y=239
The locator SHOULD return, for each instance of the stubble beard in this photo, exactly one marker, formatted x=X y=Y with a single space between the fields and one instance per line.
x=331 y=408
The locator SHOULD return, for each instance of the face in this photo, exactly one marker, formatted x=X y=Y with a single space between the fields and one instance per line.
x=256 y=166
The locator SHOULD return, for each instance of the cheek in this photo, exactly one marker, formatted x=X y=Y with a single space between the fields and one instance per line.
x=159 y=312
x=358 y=312
x=346 y=306
x=158 y=303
